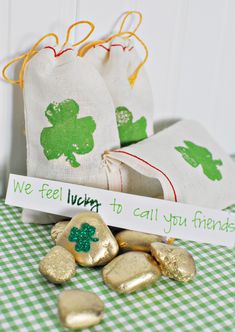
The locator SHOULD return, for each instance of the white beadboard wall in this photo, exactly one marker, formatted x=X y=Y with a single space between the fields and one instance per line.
x=191 y=64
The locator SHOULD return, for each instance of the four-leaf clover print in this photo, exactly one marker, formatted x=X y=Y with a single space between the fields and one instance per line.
x=83 y=237
x=68 y=134
x=196 y=155
x=130 y=132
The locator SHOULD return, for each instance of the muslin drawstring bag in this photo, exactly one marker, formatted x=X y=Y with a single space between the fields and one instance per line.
x=69 y=118
x=181 y=163
x=117 y=60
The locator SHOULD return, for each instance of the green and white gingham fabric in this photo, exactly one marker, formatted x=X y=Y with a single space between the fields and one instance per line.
x=29 y=302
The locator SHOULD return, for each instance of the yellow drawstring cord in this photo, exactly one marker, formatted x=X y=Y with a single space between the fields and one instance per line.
x=133 y=77
x=125 y=18
x=83 y=50
x=26 y=57
x=33 y=51
x=8 y=65
x=85 y=38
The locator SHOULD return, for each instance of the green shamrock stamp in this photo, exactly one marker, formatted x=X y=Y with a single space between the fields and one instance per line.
x=68 y=135
x=196 y=155
x=83 y=237
x=130 y=132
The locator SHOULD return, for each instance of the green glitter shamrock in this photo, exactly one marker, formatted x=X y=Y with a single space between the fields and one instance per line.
x=196 y=155
x=83 y=237
x=129 y=131
x=68 y=135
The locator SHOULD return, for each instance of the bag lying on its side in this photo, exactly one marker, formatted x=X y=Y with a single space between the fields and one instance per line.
x=181 y=163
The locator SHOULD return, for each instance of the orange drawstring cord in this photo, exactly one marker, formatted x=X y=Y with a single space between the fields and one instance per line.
x=26 y=58
x=133 y=77
x=33 y=51
x=6 y=78
x=85 y=38
x=125 y=18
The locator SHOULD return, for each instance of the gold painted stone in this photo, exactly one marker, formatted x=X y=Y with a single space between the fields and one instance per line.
x=89 y=239
x=58 y=265
x=131 y=272
x=79 y=309
x=175 y=262
x=137 y=241
x=57 y=229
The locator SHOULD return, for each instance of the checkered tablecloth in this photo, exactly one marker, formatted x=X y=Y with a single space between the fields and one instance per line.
x=29 y=302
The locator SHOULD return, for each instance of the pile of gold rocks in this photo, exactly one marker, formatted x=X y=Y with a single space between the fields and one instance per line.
x=88 y=241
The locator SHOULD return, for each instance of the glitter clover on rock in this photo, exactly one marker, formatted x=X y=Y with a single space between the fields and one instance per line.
x=83 y=237
x=130 y=132
x=196 y=155
x=68 y=135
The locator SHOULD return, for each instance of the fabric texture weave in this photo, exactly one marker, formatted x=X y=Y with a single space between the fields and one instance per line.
x=69 y=115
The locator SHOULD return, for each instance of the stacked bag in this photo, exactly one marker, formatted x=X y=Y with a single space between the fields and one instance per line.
x=89 y=120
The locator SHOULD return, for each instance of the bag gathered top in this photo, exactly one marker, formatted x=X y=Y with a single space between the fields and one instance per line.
x=89 y=121
x=117 y=60
x=69 y=117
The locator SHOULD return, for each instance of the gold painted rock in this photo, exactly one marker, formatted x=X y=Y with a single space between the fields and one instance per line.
x=58 y=265
x=89 y=239
x=137 y=241
x=175 y=262
x=58 y=229
x=79 y=309
x=131 y=272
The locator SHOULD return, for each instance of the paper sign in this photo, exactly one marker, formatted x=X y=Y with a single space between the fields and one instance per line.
x=123 y=210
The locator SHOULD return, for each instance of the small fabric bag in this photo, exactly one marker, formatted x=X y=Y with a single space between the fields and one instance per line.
x=117 y=60
x=181 y=163
x=69 y=115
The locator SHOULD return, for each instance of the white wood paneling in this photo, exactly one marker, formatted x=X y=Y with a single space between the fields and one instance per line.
x=105 y=14
x=163 y=29
x=207 y=78
x=5 y=99
x=191 y=63
x=22 y=22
